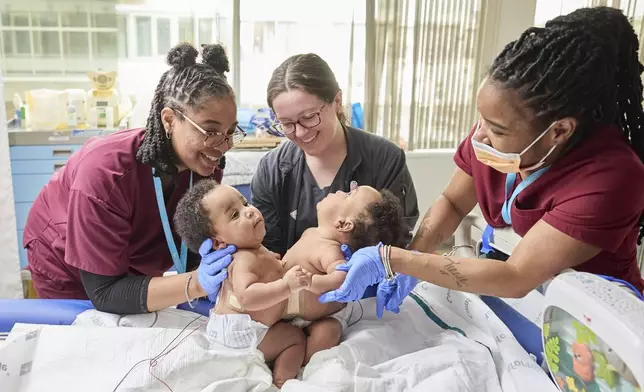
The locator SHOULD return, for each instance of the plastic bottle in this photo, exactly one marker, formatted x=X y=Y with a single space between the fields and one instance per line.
x=72 y=121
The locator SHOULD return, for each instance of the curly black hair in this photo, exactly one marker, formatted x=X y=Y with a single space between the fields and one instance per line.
x=382 y=221
x=192 y=219
x=582 y=65
x=186 y=84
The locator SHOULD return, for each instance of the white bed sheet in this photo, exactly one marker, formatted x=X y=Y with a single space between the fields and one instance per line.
x=422 y=348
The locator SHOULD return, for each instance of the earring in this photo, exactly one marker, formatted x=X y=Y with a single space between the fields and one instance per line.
x=167 y=134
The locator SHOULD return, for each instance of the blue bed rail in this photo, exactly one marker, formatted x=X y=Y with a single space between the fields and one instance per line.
x=64 y=311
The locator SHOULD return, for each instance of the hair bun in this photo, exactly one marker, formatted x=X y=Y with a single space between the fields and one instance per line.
x=181 y=56
x=214 y=55
x=606 y=23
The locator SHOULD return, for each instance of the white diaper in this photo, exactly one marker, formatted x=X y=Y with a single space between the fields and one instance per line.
x=346 y=316
x=236 y=331
x=349 y=315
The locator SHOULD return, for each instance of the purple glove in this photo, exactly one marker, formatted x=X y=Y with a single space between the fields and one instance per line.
x=212 y=269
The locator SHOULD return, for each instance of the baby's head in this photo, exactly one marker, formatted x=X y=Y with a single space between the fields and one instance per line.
x=363 y=217
x=220 y=212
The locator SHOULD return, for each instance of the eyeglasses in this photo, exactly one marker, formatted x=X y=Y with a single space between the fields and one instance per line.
x=215 y=139
x=307 y=121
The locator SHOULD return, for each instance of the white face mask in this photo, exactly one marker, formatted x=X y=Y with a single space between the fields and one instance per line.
x=503 y=161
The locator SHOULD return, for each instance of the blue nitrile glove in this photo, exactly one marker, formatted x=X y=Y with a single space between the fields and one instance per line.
x=391 y=293
x=211 y=272
x=386 y=289
x=404 y=284
x=346 y=251
x=363 y=269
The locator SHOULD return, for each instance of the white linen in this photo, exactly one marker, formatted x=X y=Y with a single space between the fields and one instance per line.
x=420 y=349
x=166 y=318
x=75 y=359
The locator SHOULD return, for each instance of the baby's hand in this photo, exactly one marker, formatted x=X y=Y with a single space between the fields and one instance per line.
x=297 y=278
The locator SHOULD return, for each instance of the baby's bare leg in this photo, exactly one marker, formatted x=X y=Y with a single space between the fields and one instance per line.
x=323 y=334
x=285 y=344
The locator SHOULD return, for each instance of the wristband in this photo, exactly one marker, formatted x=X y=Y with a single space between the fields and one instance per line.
x=186 y=292
x=385 y=257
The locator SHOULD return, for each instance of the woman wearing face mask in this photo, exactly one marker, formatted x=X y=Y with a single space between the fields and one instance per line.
x=557 y=155
x=100 y=229
x=323 y=154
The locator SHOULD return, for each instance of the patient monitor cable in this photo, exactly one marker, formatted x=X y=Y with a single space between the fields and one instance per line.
x=359 y=318
x=153 y=361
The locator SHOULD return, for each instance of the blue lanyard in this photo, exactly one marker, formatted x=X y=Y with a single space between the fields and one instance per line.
x=509 y=183
x=179 y=262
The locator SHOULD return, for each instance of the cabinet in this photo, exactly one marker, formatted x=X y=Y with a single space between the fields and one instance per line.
x=31 y=168
x=34 y=157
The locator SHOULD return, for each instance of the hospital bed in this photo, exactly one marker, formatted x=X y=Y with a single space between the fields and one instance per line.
x=446 y=310
x=441 y=340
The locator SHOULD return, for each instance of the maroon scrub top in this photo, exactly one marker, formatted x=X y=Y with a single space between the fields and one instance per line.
x=594 y=193
x=99 y=214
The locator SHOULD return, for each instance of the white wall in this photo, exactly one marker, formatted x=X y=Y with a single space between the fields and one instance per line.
x=431 y=171
x=514 y=16
x=10 y=283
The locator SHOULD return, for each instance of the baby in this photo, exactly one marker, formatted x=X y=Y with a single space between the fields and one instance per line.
x=360 y=218
x=254 y=296
x=260 y=289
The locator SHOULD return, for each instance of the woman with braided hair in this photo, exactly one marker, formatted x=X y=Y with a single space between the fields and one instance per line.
x=101 y=228
x=557 y=155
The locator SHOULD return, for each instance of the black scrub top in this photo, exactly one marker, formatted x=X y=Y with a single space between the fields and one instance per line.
x=284 y=190
x=310 y=195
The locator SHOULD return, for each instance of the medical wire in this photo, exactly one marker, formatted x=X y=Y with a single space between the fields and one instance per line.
x=360 y=318
x=153 y=360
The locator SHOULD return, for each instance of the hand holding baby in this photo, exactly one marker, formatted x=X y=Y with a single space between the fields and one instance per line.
x=297 y=278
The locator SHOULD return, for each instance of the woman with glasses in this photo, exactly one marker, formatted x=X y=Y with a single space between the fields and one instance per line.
x=323 y=154
x=556 y=155
x=101 y=228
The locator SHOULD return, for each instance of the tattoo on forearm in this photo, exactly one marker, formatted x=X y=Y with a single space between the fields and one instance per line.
x=426 y=228
x=451 y=269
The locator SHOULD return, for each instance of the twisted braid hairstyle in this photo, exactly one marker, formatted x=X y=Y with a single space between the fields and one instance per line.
x=582 y=65
x=186 y=84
